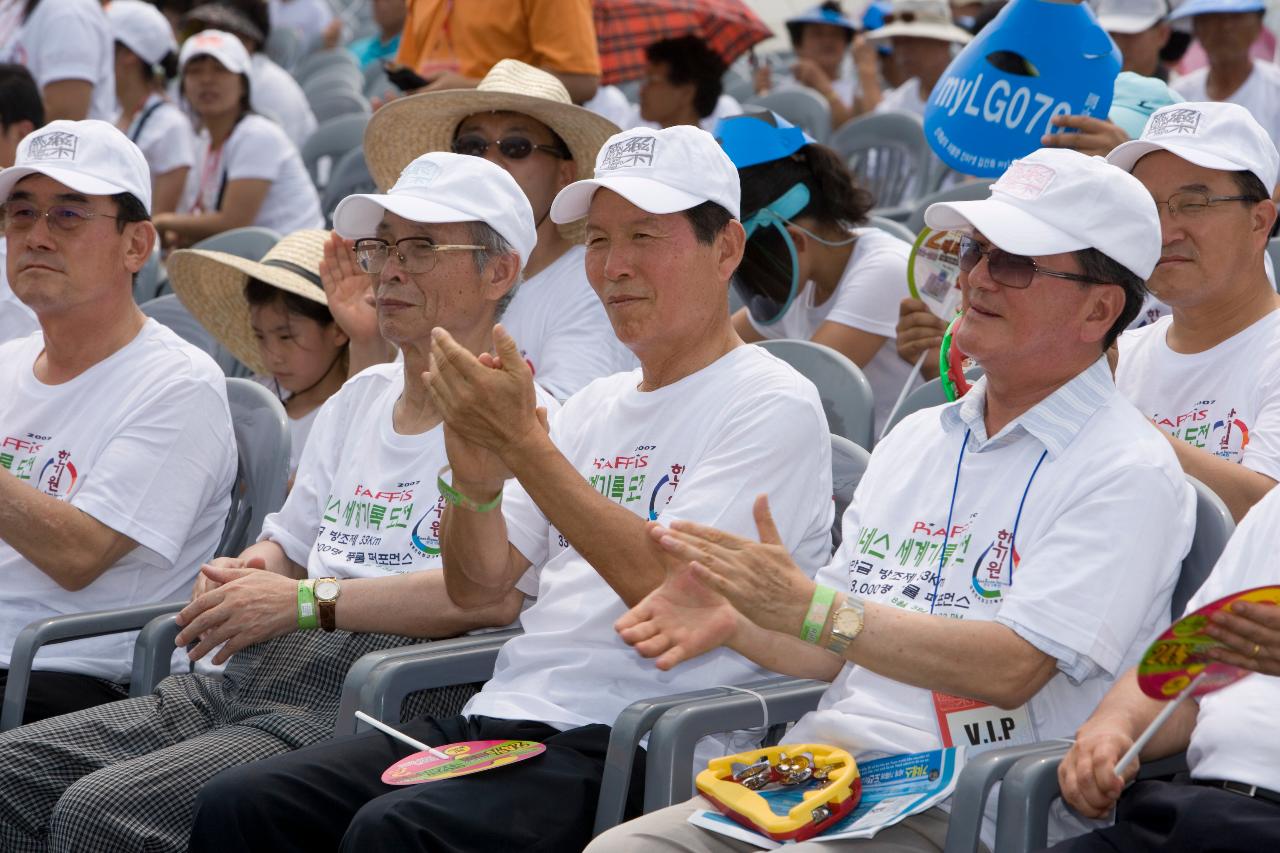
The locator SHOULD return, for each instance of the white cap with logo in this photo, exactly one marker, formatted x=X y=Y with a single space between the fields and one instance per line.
x=659 y=171
x=91 y=157
x=1058 y=200
x=1212 y=134
x=444 y=187
x=142 y=28
x=222 y=46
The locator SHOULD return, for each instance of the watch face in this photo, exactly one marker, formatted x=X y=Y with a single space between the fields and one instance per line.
x=327 y=590
x=847 y=622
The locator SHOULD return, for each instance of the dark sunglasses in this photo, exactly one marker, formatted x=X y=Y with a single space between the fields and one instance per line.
x=512 y=147
x=1014 y=271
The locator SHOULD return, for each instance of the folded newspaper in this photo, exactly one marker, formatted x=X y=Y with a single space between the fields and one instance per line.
x=893 y=788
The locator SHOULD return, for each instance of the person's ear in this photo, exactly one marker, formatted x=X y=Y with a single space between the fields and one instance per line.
x=1262 y=219
x=1104 y=307
x=799 y=238
x=568 y=174
x=501 y=275
x=729 y=244
x=140 y=240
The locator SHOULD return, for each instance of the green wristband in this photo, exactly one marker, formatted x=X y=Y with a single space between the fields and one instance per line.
x=457 y=498
x=308 y=617
x=819 y=607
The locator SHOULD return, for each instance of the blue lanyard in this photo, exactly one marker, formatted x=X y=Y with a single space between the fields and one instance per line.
x=946 y=534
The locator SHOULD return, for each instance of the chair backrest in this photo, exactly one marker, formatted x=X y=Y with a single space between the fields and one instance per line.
x=1214 y=526
x=333 y=78
x=845 y=392
x=329 y=143
x=971 y=191
x=737 y=85
x=147 y=283
x=284 y=47
x=250 y=242
x=1273 y=251
x=341 y=103
x=262 y=477
x=314 y=62
x=801 y=106
x=897 y=229
x=169 y=311
x=350 y=176
x=926 y=396
x=848 y=464
x=888 y=154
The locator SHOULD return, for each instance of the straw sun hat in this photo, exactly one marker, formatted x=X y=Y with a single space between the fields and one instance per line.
x=211 y=285
x=408 y=127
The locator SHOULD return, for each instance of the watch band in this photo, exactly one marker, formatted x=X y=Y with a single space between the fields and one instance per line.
x=326 y=607
x=846 y=624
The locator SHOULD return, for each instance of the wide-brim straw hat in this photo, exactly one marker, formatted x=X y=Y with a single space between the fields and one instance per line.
x=211 y=285
x=409 y=127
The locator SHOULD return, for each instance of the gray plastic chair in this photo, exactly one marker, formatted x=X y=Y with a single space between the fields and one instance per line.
x=897 y=229
x=168 y=310
x=251 y=241
x=330 y=142
x=801 y=106
x=890 y=157
x=737 y=85
x=338 y=78
x=848 y=464
x=313 y=63
x=845 y=392
x=928 y=395
x=971 y=191
x=349 y=177
x=262 y=440
x=340 y=102
x=1030 y=777
x=148 y=281
x=1273 y=250
x=284 y=47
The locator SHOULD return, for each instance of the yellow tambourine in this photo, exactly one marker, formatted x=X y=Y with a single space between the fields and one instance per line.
x=735 y=793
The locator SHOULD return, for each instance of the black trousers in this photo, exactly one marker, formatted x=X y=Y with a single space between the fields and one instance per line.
x=330 y=796
x=1179 y=816
x=52 y=694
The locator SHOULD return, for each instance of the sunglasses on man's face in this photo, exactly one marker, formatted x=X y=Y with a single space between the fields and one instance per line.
x=510 y=147
x=1016 y=271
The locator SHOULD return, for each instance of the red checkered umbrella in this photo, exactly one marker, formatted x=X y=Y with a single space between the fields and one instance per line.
x=624 y=28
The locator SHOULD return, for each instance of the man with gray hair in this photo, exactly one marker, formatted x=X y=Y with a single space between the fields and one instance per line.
x=349 y=565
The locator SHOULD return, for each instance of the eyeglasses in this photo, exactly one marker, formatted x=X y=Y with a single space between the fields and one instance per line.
x=416 y=254
x=1014 y=271
x=22 y=216
x=900 y=18
x=511 y=147
x=1191 y=204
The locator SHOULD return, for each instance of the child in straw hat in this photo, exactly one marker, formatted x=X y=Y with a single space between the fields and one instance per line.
x=273 y=315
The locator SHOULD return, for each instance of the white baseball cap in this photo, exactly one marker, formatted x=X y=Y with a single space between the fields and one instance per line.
x=1191 y=8
x=1058 y=200
x=91 y=157
x=142 y=28
x=222 y=46
x=444 y=187
x=1130 y=16
x=1212 y=134
x=659 y=171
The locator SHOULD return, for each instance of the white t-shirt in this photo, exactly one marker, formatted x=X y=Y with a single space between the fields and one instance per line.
x=257 y=149
x=142 y=442
x=903 y=99
x=16 y=319
x=726 y=105
x=699 y=449
x=299 y=428
x=611 y=103
x=70 y=40
x=364 y=503
x=165 y=135
x=1225 y=400
x=1260 y=94
x=275 y=94
x=307 y=18
x=562 y=328
x=866 y=298
x=1235 y=735
x=1085 y=575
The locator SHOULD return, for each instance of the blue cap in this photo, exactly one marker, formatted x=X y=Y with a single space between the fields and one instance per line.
x=1135 y=98
x=819 y=15
x=1191 y=8
x=759 y=136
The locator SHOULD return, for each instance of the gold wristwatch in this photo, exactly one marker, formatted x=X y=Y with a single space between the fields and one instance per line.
x=327 y=591
x=846 y=623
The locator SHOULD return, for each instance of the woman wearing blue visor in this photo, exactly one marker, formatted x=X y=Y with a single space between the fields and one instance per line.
x=811 y=269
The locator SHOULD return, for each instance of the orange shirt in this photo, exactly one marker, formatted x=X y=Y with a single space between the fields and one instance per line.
x=470 y=36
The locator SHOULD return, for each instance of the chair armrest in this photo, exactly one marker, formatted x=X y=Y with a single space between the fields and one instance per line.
x=153 y=654
x=378 y=682
x=1031 y=786
x=979 y=775
x=58 y=629
x=669 y=762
